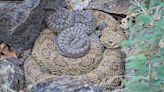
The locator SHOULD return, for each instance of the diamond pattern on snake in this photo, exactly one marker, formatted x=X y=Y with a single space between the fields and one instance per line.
x=45 y=52
x=105 y=74
x=34 y=73
x=63 y=18
x=86 y=60
x=101 y=75
x=73 y=42
x=111 y=36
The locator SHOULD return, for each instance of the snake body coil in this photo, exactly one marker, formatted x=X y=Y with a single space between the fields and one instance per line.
x=73 y=28
x=63 y=19
x=60 y=20
x=87 y=18
x=73 y=42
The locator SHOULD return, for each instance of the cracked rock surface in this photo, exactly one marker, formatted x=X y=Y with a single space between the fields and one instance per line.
x=21 y=22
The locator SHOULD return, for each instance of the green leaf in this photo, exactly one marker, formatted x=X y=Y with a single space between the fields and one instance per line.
x=125 y=43
x=146 y=19
x=138 y=57
x=161 y=4
x=146 y=30
x=134 y=79
x=161 y=52
x=160 y=70
x=160 y=24
x=154 y=3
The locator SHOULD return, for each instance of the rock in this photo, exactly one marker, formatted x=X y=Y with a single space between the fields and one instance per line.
x=111 y=6
x=13 y=14
x=22 y=22
x=64 y=84
x=77 y=4
x=11 y=75
x=55 y=4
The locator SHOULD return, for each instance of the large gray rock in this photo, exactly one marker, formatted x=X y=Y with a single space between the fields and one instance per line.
x=64 y=84
x=21 y=22
x=11 y=75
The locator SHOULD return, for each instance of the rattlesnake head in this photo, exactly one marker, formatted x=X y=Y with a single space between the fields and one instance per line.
x=111 y=36
x=103 y=73
x=77 y=52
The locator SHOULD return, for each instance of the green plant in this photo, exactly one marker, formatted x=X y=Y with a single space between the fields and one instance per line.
x=145 y=66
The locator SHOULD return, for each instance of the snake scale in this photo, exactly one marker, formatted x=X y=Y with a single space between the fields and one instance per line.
x=39 y=81
x=111 y=36
x=73 y=42
x=62 y=19
x=49 y=58
x=105 y=74
x=92 y=63
x=72 y=28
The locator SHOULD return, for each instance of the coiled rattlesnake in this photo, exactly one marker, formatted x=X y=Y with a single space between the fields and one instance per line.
x=93 y=67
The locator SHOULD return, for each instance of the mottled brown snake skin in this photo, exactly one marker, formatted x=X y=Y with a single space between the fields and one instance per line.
x=98 y=66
